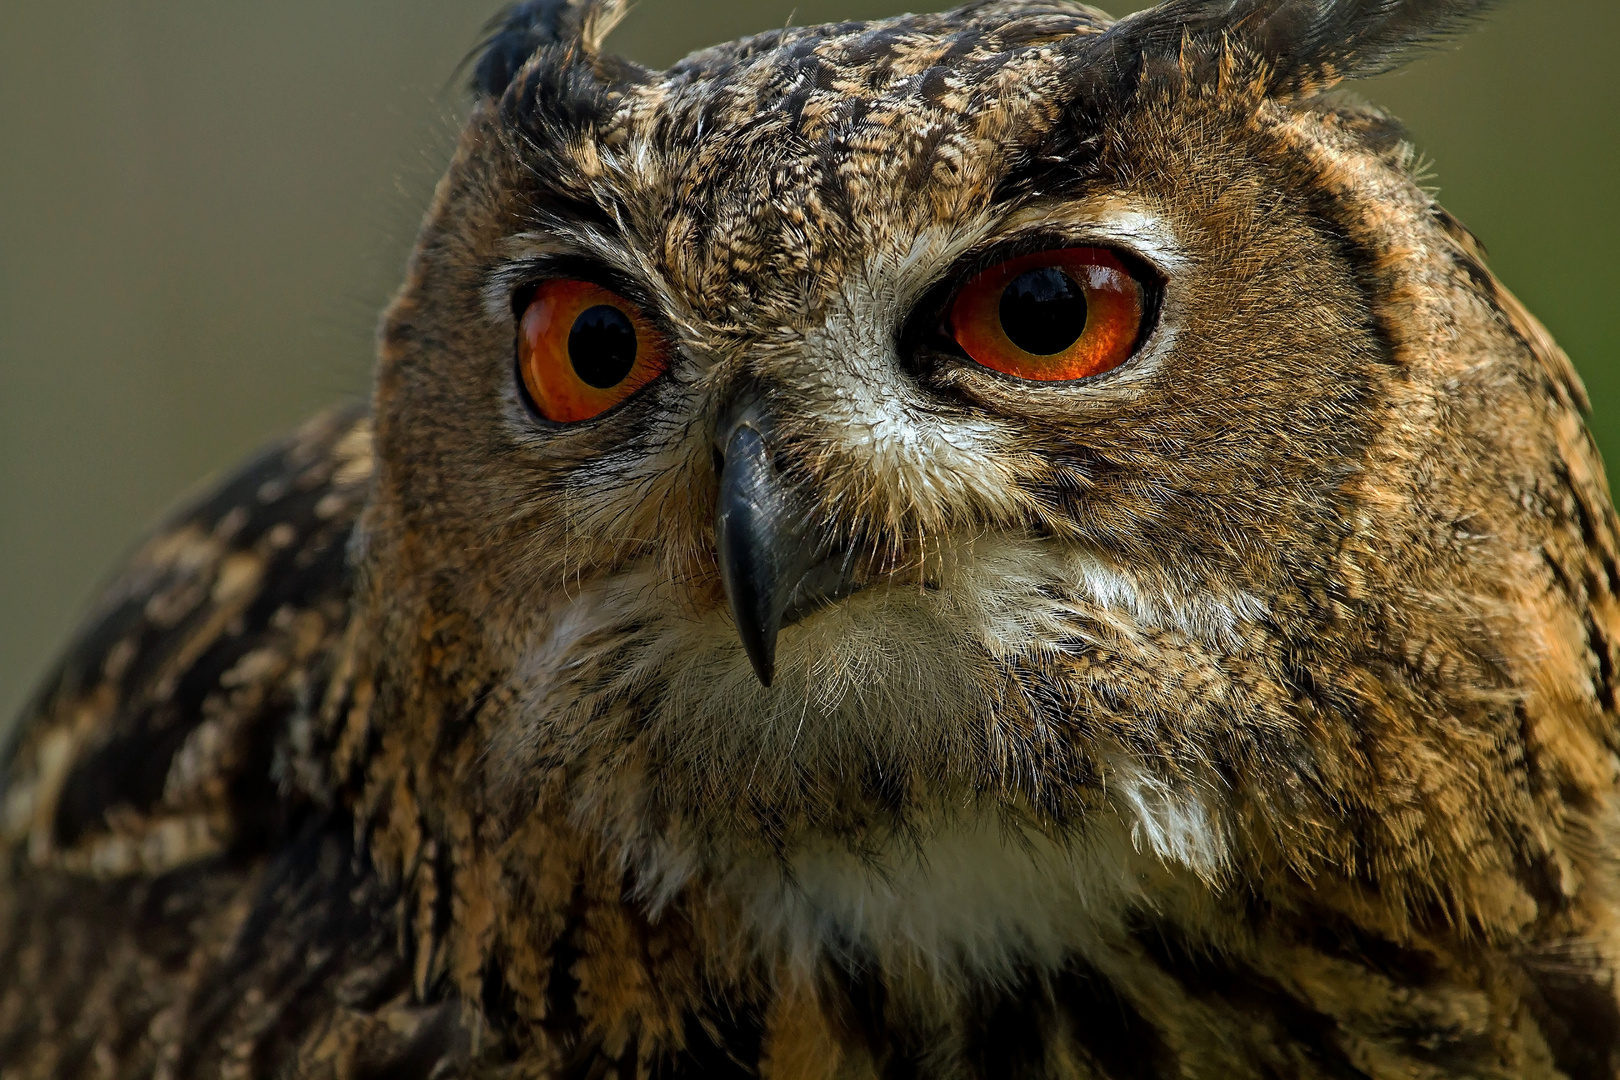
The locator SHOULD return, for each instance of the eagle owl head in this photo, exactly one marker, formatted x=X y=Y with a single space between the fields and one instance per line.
x=932 y=483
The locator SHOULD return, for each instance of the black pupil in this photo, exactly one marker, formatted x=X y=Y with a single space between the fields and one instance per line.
x=1043 y=311
x=602 y=346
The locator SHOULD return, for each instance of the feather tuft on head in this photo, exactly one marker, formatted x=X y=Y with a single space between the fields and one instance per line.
x=524 y=29
x=1307 y=45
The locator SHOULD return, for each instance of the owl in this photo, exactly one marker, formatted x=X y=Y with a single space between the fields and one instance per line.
x=995 y=544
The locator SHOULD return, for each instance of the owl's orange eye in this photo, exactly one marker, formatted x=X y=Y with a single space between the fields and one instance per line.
x=582 y=349
x=1052 y=316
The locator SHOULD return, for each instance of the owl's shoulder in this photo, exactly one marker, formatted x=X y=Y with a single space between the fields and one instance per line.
x=171 y=892
x=157 y=738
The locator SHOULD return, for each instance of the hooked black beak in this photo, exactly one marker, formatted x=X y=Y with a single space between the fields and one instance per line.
x=773 y=571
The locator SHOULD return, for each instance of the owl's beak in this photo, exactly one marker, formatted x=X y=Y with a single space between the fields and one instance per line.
x=773 y=571
x=753 y=534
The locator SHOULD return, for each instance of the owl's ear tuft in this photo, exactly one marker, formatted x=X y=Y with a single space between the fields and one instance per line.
x=524 y=29
x=1305 y=45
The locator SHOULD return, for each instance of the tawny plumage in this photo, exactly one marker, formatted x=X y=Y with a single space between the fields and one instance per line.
x=993 y=544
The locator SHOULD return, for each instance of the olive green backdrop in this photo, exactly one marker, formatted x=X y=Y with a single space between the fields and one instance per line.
x=203 y=204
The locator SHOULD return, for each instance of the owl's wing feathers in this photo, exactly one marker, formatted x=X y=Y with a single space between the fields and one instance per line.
x=135 y=756
x=170 y=899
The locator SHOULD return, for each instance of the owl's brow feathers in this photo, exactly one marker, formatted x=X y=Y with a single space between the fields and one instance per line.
x=1306 y=45
x=555 y=88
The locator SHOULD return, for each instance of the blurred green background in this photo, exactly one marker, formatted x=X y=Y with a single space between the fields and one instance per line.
x=203 y=205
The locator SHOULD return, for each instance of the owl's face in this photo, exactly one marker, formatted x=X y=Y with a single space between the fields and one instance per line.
x=865 y=422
